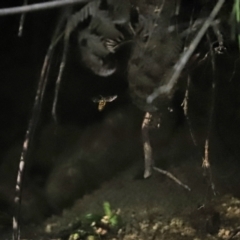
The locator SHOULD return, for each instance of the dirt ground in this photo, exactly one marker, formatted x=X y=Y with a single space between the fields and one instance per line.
x=155 y=208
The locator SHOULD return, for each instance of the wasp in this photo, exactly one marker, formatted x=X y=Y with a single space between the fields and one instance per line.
x=102 y=101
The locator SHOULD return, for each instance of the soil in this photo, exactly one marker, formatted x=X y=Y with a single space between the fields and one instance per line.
x=155 y=208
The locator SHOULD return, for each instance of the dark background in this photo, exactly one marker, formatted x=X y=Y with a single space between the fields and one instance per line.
x=95 y=144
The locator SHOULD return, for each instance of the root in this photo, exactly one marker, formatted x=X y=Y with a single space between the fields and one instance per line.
x=147 y=146
x=149 y=162
x=170 y=175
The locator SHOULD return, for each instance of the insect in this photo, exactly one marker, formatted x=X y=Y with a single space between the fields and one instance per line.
x=102 y=101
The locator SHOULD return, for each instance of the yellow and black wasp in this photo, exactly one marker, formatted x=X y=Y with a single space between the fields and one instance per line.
x=102 y=101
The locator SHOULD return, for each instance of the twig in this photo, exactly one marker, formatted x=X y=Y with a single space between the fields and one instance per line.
x=59 y=78
x=149 y=162
x=167 y=87
x=185 y=110
x=30 y=132
x=147 y=146
x=20 y=29
x=39 y=7
x=170 y=175
x=67 y=33
x=28 y=138
x=206 y=163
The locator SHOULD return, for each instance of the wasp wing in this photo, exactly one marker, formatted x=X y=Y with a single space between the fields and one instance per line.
x=110 y=99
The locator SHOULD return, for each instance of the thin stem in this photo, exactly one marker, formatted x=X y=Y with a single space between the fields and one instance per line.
x=206 y=163
x=62 y=66
x=170 y=175
x=20 y=29
x=26 y=144
x=149 y=163
x=39 y=7
x=185 y=110
x=30 y=131
x=59 y=78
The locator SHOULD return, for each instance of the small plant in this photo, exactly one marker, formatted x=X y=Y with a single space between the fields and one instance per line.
x=96 y=225
x=114 y=219
x=111 y=220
